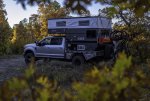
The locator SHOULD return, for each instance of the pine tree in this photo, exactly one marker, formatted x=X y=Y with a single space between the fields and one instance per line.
x=21 y=36
x=5 y=30
x=34 y=27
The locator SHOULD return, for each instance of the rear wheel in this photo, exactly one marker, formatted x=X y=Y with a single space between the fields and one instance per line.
x=29 y=58
x=78 y=60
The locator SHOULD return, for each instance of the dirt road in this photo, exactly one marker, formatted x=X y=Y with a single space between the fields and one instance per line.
x=10 y=66
x=11 y=62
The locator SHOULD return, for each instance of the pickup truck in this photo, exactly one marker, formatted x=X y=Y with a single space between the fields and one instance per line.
x=56 y=47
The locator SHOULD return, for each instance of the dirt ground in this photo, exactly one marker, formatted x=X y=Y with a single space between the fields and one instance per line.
x=14 y=65
x=11 y=62
x=10 y=66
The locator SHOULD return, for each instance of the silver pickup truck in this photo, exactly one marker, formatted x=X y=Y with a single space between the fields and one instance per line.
x=59 y=48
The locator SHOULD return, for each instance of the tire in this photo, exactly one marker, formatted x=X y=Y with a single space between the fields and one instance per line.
x=78 y=60
x=29 y=58
x=46 y=60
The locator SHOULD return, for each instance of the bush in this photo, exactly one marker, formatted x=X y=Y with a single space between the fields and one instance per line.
x=123 y=82
x=5 y=48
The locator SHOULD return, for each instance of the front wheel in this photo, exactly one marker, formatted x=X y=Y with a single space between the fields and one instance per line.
x=29 y=58
x=78 y=60
x=46 y=60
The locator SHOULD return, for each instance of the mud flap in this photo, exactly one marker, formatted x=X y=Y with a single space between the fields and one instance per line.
x=108 y=53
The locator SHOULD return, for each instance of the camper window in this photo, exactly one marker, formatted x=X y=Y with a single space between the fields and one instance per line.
x=91 y=33
x=61 y=23
x=105 y=33
x=84 y=23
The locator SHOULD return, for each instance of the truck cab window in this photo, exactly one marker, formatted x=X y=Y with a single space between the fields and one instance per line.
x=46 y=41
x=56 y=41
x=91 y=34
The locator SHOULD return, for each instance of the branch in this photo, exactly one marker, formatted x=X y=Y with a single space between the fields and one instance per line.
x=124 y=19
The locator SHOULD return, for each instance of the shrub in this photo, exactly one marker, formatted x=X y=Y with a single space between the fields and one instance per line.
x=123 y=82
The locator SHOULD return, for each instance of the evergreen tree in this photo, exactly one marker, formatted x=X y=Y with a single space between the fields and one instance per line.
x=34 y=27
x=50 y=10
x=21 y=36
x=5 y=30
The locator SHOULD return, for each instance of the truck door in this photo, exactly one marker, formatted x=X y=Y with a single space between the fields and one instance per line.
x=56 y=47
x=51 y=47
x=42 y=49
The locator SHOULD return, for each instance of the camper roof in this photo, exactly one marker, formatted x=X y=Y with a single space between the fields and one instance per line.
x=61 y=24
x=79 y=17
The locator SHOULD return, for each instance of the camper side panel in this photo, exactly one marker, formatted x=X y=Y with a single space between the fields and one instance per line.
x=77 y=25
x=73 y=23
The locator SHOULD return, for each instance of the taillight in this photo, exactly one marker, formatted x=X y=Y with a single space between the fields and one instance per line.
x=104 y=40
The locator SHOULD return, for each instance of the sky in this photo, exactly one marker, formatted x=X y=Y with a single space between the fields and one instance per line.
x=15 y=12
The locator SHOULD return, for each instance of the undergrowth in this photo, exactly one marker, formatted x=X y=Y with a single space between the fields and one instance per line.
x=123 y=82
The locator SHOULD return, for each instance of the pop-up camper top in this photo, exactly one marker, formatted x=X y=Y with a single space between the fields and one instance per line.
x=77 y=24
x=80 y=28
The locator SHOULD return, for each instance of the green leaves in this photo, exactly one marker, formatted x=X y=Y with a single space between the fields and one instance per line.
x=85 y=92
x=78 y=6
x=111 y=11
x=17 y=84
x=43 y=81
x=31 y=2
x=108 y=84
x=121 y=64
x=139 y=7
x=30 y=71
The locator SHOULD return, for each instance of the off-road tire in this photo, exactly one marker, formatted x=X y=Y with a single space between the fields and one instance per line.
x=78 y=60
x=29 y=58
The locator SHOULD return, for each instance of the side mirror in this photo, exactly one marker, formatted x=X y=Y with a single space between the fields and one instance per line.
x=40 y=44
x=37 y=43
